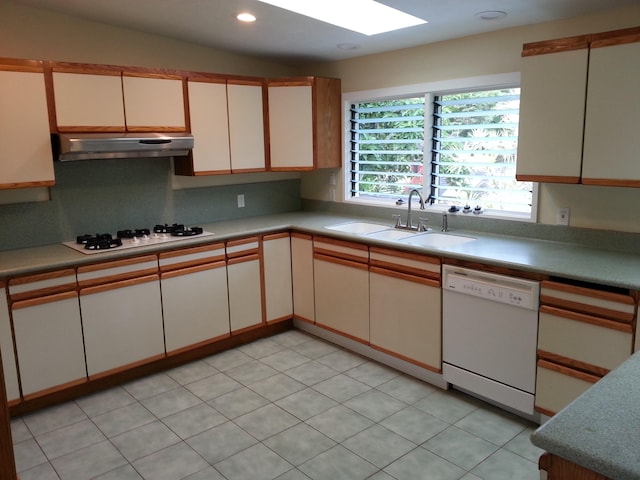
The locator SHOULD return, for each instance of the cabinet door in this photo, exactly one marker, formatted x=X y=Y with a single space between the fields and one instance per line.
x=276 y=258
x=87 y=102
x=6 y=346
x=342 y=296
x=246 y=127
x=48 y=334
x=210 y=126
x=122 y=323
x=406 y=318
x=553 y=88
x=25 y=142
x=153 y=104
x=245 y=293
x=302 y=277
x=195 y=305
x=557 y=386
x=291 y=127
x=611 y=140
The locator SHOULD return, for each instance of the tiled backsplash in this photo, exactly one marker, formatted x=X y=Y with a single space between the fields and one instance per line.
x=107 y=195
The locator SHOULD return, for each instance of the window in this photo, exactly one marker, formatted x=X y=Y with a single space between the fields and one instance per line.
x=459 y=149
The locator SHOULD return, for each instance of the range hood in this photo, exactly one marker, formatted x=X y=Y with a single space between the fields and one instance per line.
x=89 y=146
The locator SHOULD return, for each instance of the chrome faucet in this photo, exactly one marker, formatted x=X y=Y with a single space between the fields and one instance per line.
x=445 y=223
x=409 y=217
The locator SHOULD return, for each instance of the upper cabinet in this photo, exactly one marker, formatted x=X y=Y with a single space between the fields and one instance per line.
x=227 y=122
x=578 y=110
x=25 y=146
x=95 y=98
x=305 y=130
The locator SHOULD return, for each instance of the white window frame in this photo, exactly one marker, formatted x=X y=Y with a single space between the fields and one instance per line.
x=429 y=89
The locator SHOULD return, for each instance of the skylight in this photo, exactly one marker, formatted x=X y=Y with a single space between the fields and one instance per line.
x=364 y=16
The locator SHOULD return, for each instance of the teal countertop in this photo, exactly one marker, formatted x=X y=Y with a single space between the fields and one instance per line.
x=613 y=268
x=600 y=430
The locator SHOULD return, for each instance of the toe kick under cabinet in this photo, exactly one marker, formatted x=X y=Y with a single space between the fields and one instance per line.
x=585 y=331
x=48 y=331
x=194 y=296
x=121 y=313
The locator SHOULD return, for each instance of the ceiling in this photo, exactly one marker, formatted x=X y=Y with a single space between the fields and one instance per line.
x=291 y=38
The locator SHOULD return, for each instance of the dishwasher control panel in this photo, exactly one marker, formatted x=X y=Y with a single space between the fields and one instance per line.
x=497 y=288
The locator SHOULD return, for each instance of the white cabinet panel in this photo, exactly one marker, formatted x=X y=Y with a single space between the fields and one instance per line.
x=553 y=89
x=6 y=345
x=152 y=103
x=210 y=127
x=88 y=100
x=195 y=305
x=291 y=126
x=276 y=257
x=25 y=142
x=246 y=127
x=611 y=140
x=48 y=335
x=302 y=277
x=245 y=293
x=122 y=323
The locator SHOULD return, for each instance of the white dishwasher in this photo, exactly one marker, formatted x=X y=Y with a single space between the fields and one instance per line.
x=489 y=335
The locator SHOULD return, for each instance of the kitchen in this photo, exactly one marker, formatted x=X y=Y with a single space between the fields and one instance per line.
x=118 y=186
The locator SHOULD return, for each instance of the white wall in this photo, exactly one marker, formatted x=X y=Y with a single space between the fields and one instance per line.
x=606 y=208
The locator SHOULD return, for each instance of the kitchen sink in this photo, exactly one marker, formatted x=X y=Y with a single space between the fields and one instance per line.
x=362 y=228
x=392 y=234
x=437 y=240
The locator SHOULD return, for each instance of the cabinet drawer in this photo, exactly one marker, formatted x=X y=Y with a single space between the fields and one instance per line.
x=118 y=270
x=189 y=257
x=583 y=341
x=592 y=301
x=244 y=246
x=346 y=250
x=405 y=262
x=557 y=386
x=42 y=284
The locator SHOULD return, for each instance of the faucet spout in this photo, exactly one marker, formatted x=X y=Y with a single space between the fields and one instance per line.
x=409 y=216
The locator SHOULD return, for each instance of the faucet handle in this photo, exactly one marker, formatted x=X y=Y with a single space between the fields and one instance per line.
x=398 y=218
x=422 y=224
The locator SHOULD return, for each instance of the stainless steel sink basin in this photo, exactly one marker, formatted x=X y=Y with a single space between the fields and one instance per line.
x=361 y=228
x=437 y=240
x=391 y=234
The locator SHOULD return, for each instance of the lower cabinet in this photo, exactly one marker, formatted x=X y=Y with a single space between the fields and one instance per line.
x=302 y=276
x=341 y=279
x=6 y=346
x=47 y=331
x=245 y=284
x=121 y=313
x=195 y=304
x=405 y=307
x=584 y=333
x=276 y=259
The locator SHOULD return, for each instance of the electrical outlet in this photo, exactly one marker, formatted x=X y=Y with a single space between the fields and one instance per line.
x=241 y=200
x=563 y=216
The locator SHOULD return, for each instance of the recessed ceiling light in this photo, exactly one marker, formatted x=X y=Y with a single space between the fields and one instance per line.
x=246 y=17
x=363 y=16
x=491 y=15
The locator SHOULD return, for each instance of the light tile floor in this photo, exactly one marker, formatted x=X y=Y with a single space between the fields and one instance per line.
x=287 y=407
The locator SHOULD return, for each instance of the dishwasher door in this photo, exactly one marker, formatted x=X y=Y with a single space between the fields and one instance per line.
x=490 y=330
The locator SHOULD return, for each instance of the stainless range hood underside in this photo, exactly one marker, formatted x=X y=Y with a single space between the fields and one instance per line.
x=90 y=146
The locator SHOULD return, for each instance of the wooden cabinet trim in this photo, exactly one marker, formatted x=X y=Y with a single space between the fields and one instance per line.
x=432 y=282
x=119 y=284
x=559 y=468
x=319 y=255
x=187 y=269
x=85 y=68
x=189 y=251
x=302 y=236
x=32 y=302
x=407 y=359
x=252 y=81
x=547 y=178
x=610 y=182
x=584 y=318
x=588 y=292
x=408 y=255
x=275 y=236
x=244 y=258
x=577 y=42
x=20 y=65
x=116 y=263
x=567 y=371
x=615 y=37
x=571 y=363
x=37 y=277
